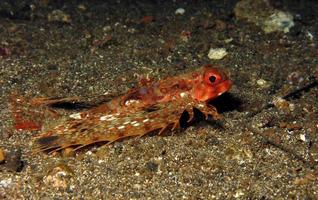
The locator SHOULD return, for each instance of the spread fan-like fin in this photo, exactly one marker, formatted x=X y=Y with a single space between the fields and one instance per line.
x=107 y=128
x=100 y=127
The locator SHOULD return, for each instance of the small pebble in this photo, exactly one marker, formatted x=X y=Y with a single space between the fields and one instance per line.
x=262 y=83
x=59 y=16
x=82 y=7
x=107 y=28
x=229 y=40
x=303 y=137
x=5 y=183
x=292 y=106
x=131 y=30
x=179 y=11
x=217 y=53
x=310 y=36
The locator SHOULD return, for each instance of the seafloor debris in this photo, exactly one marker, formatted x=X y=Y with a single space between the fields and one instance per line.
x=59 y=16
x=179 y=11
x=278 y=21
x=217 y=53
x=262 y=14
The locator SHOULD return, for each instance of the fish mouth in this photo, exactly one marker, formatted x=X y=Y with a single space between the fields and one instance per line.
x=220 y=89
x=224 y=86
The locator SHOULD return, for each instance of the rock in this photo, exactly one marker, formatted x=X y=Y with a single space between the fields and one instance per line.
x=278 y=21
x=217 y=53
x=262 y=14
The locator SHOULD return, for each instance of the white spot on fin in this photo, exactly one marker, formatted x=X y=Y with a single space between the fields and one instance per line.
x=76 y=116
x=121 y=127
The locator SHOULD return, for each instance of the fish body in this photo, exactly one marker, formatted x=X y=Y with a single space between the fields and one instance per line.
x=153 y=106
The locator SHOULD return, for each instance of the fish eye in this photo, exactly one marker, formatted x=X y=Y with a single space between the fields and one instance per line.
x=212 y=79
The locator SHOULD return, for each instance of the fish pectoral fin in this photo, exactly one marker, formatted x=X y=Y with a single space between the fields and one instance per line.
x=209 y=110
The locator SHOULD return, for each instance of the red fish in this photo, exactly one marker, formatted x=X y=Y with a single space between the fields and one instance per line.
x=154 y=106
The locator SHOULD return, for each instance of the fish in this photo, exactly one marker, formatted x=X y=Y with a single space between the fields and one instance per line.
x=153 y=106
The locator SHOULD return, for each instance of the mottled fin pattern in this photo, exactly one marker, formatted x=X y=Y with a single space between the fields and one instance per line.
x=107 y=128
